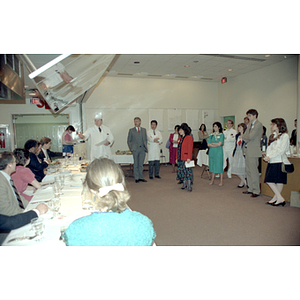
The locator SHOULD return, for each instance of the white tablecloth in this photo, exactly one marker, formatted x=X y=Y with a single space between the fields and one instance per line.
x=202 y=158
x=71 y=209
x=123 y=159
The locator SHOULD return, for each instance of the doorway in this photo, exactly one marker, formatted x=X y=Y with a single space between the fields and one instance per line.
x=36 y=126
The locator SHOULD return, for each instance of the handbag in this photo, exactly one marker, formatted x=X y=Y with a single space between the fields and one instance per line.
x=287 y=168
x=168 y=144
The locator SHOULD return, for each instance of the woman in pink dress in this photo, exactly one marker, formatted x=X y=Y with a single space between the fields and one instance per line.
x=24 y=176
x=173 y=147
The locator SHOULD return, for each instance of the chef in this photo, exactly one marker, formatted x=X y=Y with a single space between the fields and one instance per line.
x=100 y=138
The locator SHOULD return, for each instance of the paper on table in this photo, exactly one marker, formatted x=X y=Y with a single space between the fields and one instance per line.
x=191 y=164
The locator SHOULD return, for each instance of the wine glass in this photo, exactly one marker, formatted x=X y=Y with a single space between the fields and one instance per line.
x=38 y=226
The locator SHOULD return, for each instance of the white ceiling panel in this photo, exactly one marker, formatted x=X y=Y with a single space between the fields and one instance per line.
x=207 y=65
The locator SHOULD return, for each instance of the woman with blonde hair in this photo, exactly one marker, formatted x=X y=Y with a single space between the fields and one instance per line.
x=113 y=223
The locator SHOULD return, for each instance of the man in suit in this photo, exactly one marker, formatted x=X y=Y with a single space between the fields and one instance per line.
x=45 y=153
x=137 y=143
x=11 y=202
x=252 y=152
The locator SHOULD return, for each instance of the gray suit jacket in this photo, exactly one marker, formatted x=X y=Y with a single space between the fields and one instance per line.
x=132 y=141
x=252 y=140
x=9 y=205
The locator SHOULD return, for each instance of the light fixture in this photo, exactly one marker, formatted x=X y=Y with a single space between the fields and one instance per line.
x=267 y=55
x=136 y=62
x=229 y=70
x=187 y=66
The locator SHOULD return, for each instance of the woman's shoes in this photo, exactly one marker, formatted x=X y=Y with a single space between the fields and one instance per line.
x=278 y=204
x=270 y=203
x=240 y=186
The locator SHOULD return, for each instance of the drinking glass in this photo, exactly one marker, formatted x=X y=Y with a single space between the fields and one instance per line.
x=37 y=226
x=55 y=205
x=86 y=201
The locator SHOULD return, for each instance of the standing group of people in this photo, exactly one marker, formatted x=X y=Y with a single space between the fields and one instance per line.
x=244 y=148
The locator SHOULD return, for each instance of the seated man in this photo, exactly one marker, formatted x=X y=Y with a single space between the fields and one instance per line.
x=11 y=202
x=8 y=223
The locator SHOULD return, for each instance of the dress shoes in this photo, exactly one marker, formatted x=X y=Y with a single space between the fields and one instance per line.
x=137 y=181
x=143 y=180
x=158 y=177
x=254 y=195
x=239 y=186
x=246 y=192
x=150 y=177
x=270 y=203
x=278 y=204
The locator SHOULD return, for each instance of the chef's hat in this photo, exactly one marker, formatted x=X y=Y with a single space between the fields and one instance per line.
x=98 y=115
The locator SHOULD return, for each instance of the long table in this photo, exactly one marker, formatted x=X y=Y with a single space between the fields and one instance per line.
x=71 y=209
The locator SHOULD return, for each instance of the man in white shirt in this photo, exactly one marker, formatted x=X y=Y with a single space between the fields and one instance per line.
x=101 y=138
x=229 y=144
x=154 y=140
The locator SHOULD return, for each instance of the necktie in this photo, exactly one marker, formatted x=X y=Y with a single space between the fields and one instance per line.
x=139 y=130
x=251 y=127
x=99 y=129
x=17 y=194
x=154 y=132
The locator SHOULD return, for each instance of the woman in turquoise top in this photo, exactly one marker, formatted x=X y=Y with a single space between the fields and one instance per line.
x=114 y=224
x=215 y=144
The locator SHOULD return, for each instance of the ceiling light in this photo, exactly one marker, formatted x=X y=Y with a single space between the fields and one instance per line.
x=229 y=70
x=136 y=62
x=187 y=66
x=267 y=55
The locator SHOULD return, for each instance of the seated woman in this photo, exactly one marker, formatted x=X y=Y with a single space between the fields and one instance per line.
x=67 y=140
x=45 y=153
x=114 y=224
x=37 y=166
x=24 y=176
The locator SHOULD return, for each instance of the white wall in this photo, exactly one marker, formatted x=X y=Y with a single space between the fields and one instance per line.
x=272 y=91
x=122 y=99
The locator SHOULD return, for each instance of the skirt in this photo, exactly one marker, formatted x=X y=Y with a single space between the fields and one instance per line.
x=274 y=174
x=183 y=173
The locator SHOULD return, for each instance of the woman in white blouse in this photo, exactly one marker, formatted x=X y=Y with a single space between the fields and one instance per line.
x=276 y=154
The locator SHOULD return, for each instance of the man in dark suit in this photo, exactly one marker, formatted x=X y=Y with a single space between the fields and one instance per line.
x=8 y=223
x=252 y=152
x=137 y=143
x=293 y=139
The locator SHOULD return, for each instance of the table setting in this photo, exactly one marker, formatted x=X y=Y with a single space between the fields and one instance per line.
x=65 y=202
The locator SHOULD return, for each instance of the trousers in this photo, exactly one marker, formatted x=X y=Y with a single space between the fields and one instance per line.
x=252 y=174
x=138 y=162
x=156 y=165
